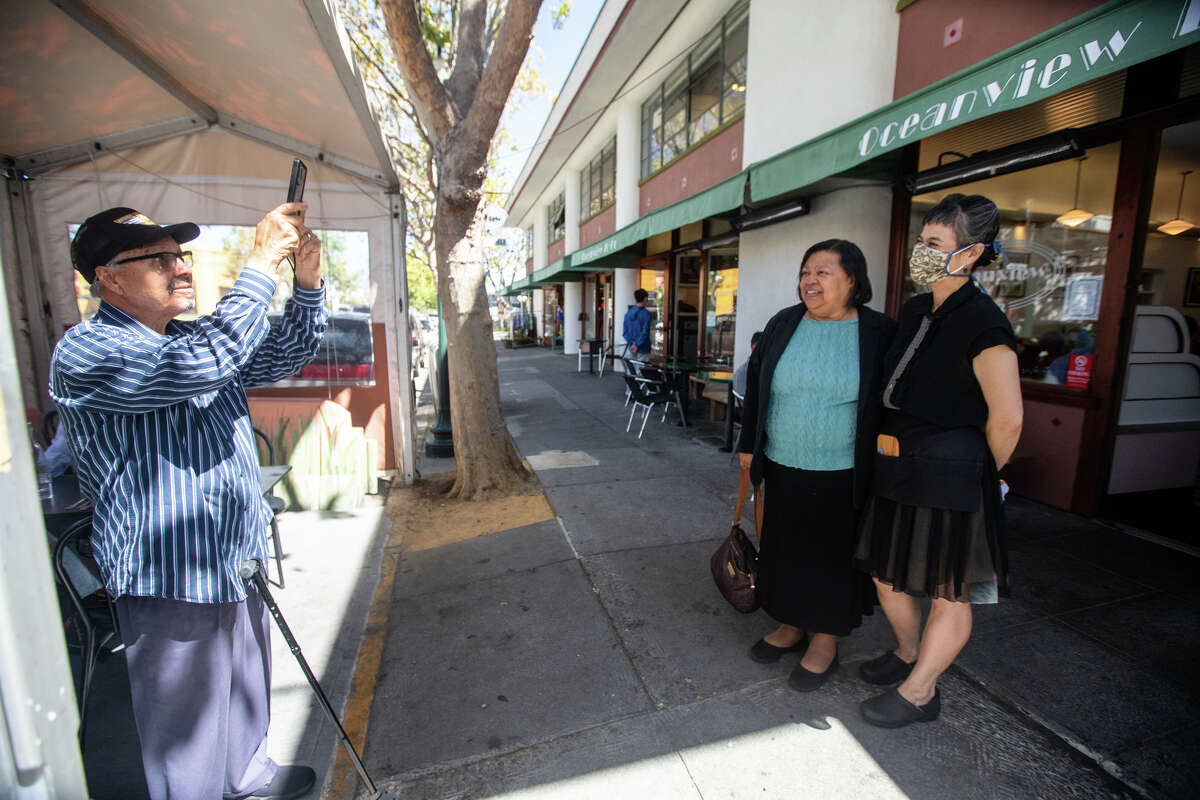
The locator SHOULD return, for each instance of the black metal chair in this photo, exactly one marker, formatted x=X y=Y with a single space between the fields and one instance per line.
x=278 y=506
x=647 y=389
x=92 y=614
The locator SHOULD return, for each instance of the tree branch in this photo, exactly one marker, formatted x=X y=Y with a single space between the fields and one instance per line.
x=425 y=89
x=469 y=50
x=507 y=54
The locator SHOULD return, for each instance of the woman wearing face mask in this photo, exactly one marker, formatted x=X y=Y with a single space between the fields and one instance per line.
x=808 y=428
x=934 y=526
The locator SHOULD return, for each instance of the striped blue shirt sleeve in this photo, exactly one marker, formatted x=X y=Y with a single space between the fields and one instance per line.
x=121 y=371
x=293 y=342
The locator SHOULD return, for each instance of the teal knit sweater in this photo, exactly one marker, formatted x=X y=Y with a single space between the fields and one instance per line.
x=813 y=409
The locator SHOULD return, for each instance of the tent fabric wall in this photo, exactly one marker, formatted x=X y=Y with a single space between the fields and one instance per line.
x=193 y=187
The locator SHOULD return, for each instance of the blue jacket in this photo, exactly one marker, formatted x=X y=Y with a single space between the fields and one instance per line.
x=636 y=329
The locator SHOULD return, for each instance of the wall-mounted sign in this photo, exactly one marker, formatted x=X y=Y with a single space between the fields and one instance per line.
x=1081 y=300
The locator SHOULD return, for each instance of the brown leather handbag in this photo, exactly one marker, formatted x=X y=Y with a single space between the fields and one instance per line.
x=735 y=564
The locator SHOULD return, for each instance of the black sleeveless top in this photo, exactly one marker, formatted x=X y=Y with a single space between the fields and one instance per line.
x=939 y=385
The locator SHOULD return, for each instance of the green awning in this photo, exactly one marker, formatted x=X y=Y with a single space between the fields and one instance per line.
x=717 y=199
x=1107 y=39
x=558 y=272
x=517 y=286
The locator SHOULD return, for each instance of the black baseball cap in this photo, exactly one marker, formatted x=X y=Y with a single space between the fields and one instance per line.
x=104 y=235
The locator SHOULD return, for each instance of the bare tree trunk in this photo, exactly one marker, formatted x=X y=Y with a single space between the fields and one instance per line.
x=487 y=462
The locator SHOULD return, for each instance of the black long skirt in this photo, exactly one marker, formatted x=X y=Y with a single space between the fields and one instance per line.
x=806 y=576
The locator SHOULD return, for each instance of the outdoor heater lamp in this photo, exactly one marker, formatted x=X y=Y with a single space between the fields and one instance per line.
x=992 y=163
x=760 y=218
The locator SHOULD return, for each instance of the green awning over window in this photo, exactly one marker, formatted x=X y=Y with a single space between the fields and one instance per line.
x=517 y=286
x=558 y=272
x=1107 y=39
x=717 y=199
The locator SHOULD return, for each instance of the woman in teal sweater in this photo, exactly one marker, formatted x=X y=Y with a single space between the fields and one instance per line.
x=809 y=426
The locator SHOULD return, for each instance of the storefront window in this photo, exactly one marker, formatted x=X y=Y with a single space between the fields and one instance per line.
x=721 y=305
x=1049 y=281
x=705 y=91
x=558 y=218
x=654 y=281
x=597 y=185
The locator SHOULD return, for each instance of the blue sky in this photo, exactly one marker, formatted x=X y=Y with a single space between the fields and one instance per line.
x=559 y=49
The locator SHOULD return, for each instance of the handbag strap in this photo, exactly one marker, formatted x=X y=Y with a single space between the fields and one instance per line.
x=743 y=489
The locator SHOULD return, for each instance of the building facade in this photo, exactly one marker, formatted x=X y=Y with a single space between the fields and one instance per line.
x=697 y=149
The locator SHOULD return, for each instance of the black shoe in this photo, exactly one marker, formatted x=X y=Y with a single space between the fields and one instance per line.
x=887 y=669
x=766 y=653
x=891 y=710
x=803 y=680
x=289 y=782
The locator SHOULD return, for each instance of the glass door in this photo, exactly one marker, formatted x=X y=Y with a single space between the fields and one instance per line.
x=689 y=268
x=1154 y=482
x=652 y=276
x=720 y=307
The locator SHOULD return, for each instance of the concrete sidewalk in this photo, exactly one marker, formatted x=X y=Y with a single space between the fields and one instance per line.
x=590 y=655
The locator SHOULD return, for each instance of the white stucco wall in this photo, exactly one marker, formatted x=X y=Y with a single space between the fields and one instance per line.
x=813 y=66
x=769 y=261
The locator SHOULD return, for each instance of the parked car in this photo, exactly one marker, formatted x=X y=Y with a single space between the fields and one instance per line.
x=346 y=353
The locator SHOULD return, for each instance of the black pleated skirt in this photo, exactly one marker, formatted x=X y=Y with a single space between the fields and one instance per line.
x=806 y=575
x=934 y=524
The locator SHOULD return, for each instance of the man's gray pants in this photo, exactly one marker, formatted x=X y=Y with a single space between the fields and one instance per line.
x=200 y=678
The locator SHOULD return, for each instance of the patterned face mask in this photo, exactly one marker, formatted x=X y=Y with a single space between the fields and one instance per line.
x=927 y=266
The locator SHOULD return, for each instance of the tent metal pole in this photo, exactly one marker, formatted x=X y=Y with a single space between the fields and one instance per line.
x=402 y=397
x=14 y=296
x=38 y=324
x=39 y=751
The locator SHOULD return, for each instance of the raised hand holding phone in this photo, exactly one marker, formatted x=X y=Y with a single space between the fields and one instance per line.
x=296 y=193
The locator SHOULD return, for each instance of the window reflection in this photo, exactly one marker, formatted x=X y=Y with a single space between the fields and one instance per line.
x=1050 y=279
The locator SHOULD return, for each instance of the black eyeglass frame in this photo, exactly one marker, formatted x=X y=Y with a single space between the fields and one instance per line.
x=183 y=255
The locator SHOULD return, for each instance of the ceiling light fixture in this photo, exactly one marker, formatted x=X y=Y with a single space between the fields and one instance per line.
x=1178 y=225
x=1076 y=215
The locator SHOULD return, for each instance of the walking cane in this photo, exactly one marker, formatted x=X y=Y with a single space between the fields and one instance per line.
x=252 y=569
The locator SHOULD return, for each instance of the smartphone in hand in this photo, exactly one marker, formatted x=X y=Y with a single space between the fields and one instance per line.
x=296 y=184
x=296 y=192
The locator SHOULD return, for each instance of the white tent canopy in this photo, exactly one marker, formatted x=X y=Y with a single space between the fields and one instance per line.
x=186 y=110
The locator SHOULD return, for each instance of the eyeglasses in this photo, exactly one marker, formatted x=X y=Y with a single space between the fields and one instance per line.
x=166 y=260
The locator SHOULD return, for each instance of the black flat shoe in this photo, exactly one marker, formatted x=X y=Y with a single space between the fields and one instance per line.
x=803 y=680
x=891 y=710
x=887 y=669
x=766 y=653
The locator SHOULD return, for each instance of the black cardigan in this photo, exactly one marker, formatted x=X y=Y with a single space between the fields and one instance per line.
x=875 y=334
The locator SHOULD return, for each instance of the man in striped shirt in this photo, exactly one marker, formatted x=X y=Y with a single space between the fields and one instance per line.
x=156 y=414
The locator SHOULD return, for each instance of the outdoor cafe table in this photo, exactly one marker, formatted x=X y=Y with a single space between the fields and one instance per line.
x=677 y=369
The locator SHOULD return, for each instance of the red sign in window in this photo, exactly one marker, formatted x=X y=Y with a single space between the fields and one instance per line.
x=1079 y=370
